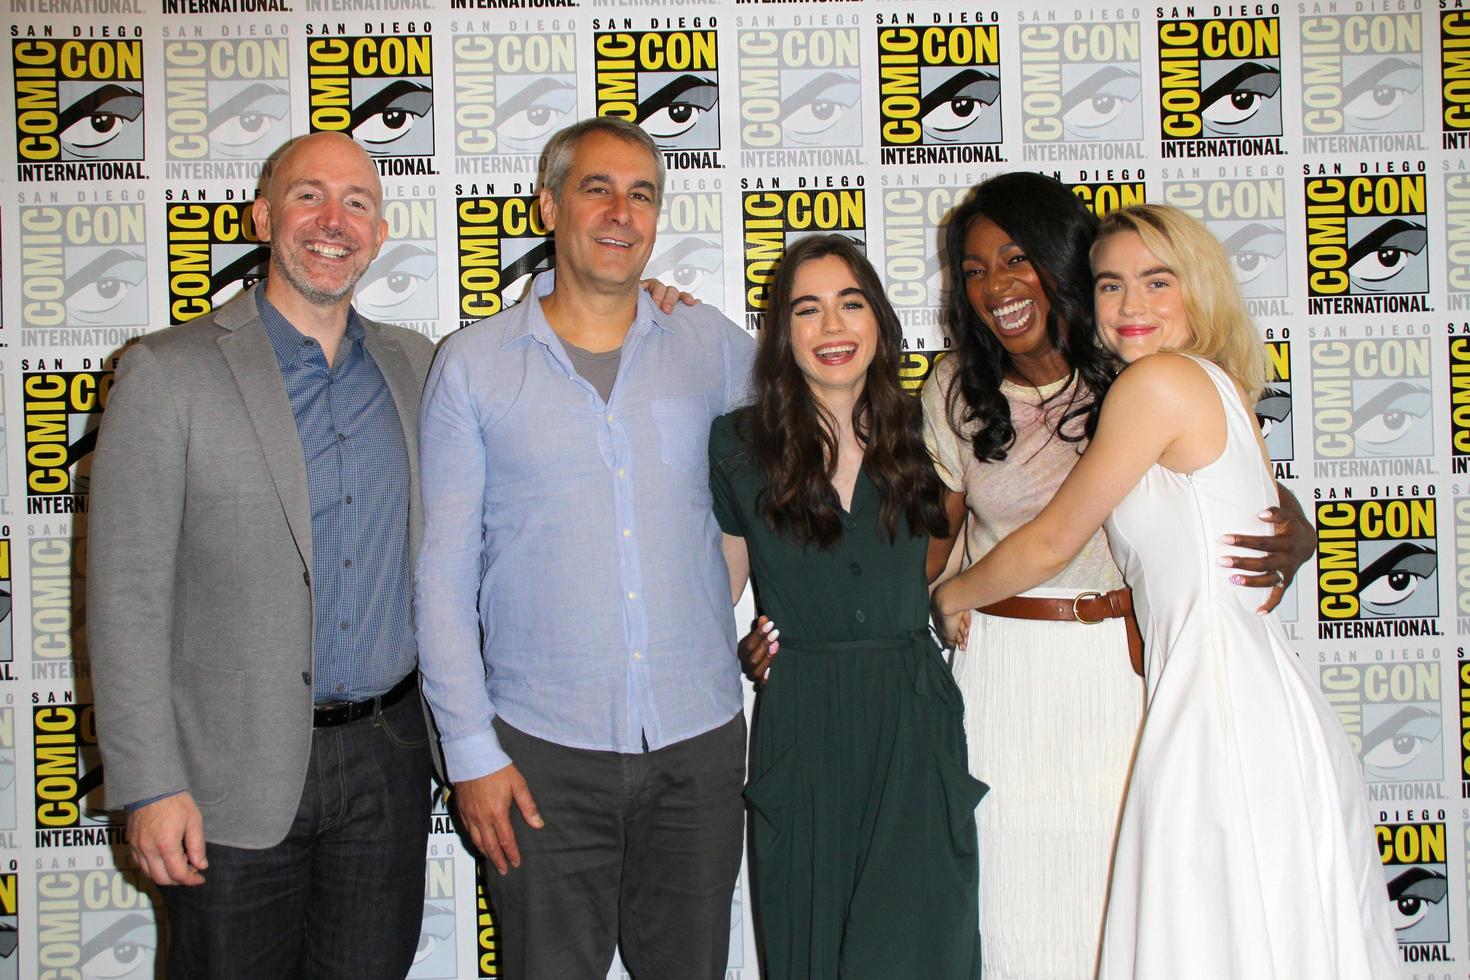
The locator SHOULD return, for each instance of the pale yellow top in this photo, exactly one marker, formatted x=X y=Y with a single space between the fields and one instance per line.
x=1004 y=494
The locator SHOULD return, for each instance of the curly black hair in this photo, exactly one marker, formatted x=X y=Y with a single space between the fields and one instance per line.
x=1055 y=230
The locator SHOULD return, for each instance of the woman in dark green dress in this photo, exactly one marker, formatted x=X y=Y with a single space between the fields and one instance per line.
x=862 y=808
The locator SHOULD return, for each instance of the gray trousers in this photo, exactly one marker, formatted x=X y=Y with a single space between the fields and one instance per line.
x=638 y=850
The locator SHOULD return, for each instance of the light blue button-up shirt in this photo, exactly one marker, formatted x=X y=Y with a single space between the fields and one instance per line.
x=577 y=535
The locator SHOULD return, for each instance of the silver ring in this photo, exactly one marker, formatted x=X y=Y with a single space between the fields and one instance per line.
x=1280 y=577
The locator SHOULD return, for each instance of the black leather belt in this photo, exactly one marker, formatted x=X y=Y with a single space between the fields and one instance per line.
x=332 y=713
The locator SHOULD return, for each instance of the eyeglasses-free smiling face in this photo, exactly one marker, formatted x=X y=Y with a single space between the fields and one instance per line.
x=322 y=215
x=1004 y=289
x=1140 y=303
x=605 y=214
x=834 y=330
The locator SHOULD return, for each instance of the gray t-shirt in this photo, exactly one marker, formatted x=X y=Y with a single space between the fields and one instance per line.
x=600 y=370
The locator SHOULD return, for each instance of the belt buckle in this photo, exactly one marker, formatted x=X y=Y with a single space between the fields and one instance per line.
x=1083 y=597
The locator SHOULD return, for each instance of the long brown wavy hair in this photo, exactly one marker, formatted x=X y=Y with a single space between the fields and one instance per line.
x=792 y=437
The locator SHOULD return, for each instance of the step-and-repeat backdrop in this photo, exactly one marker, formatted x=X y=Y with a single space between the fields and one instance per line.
x=1324 y=142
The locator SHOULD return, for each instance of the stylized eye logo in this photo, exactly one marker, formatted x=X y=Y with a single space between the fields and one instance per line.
x=538 y=109
x=1396 y=575
x=390 y=114
x=1234 y=99
x=123 y=949
x=1097 y=102
x=956 y=106
x=821 y=105
x=97 y=119
x=1400 y=740
x=676 y=108
x=96 y=290
x=1253 y=249
x=1273 y=408
x=687 y=263
x=1412 y=892
x=1383 y=423
x=1378 y=94
x=244 y=120
x=1383 y=254
x=399 y=275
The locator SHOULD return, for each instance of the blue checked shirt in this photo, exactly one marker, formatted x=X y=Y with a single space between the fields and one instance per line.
x=577 y=535
x=358 y=480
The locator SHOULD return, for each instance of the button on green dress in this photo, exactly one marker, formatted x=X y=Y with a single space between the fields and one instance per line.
x=862 y=807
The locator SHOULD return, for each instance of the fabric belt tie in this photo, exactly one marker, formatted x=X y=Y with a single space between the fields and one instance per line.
x=927 y=670
x=1087 y=608
x=332 y=713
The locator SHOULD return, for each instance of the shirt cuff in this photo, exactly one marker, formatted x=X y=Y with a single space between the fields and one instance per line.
x=152 y=799
x=474 y=756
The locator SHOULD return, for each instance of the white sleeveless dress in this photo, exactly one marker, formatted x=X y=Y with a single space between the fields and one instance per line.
x=1246 y=848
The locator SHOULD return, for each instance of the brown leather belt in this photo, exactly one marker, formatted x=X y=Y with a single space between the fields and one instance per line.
x=1087 y=608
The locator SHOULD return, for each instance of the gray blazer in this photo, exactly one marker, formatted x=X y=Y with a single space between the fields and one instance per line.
x=198 y=569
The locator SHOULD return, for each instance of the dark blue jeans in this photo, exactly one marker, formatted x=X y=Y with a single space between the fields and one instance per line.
x=343 y=894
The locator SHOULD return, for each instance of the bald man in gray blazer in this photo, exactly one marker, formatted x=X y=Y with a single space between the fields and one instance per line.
x=254 y=512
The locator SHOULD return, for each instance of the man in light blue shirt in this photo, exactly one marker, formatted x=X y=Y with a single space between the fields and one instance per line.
x=573 y=609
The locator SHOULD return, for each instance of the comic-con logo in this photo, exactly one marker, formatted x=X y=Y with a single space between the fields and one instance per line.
x=487 y=954
x=1457 y=237
x=214 y=251
x=1377 y=568
x=379 y=91
x=83 y=268
x=689 y=251
x=1371 y=403
x=939 y=93
x=774 y=218
x=9 y=927
x=511 y=92
x=1459 y=404
x=800 y=97
x=1248 y=216
x=1367 y=243
x=914 y=218
x=1413 y=856
x=225 y=99
x=435 y=958
x=96 y=923
x=1394 y=720
x=69 y=807
x=1109 y=195
x=1361 y=74
x=1273 y=407
x=1081 y=83
x=1454 y=46
x=503 y=244
x=78 y=108
x=1464 y=671
x=58 y=579
x=667 y=82
x=61 y=411
x=1220 y=87
x=402 y=284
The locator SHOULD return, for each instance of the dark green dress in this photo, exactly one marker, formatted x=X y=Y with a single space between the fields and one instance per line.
x=862 y=807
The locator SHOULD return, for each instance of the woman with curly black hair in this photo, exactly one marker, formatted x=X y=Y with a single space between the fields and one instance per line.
x=862 y=810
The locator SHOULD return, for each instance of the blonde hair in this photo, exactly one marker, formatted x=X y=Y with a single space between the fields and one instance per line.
x=1221 y=329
